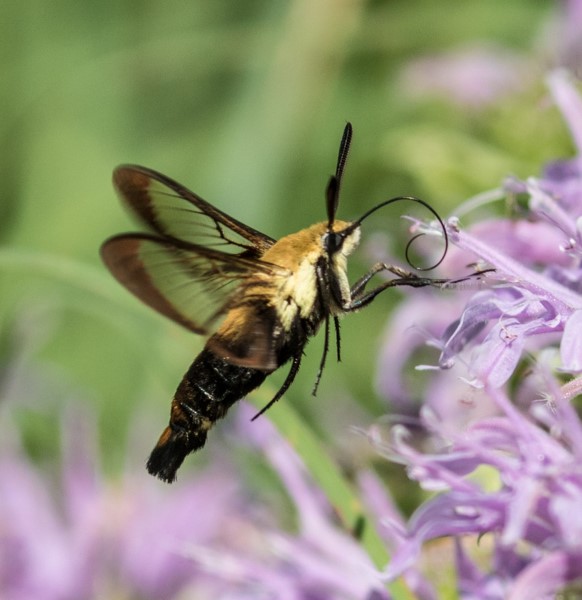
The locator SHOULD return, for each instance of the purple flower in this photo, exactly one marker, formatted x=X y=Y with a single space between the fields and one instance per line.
x=321 y=561
x=564 y=38
x=471 y=77
x=533 y=516
x=531 y=309
x=84 y=538
x=540 y=300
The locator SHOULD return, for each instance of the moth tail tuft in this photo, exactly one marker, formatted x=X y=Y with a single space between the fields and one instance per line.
x=171 y=450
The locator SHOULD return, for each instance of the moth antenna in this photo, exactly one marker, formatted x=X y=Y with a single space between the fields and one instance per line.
x=333 y=187
x=343 y=151
x=332 y=200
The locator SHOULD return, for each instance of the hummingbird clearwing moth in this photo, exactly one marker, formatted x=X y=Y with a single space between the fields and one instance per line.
x=257 y=299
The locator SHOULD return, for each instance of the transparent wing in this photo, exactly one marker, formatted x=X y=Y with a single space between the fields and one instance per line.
x=190 y=284
x=171 y=210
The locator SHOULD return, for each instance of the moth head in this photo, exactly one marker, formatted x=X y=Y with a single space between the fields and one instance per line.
x=341 y=238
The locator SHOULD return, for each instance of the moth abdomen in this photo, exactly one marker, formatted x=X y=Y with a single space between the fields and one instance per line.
x=208 y=389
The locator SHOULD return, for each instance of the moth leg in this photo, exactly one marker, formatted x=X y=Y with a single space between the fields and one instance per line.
x=362 y=299
x=288 y=381
x=338 y=340
x=323 y=357
x=328 y=286
x=361 y=284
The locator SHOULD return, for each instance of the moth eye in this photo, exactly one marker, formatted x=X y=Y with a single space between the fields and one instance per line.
x=332 y=242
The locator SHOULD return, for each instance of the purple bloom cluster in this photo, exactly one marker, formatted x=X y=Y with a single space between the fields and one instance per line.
x=81 y=537
x=202 y=538
x=321 y=561
x=471 y=77
x=513 y=340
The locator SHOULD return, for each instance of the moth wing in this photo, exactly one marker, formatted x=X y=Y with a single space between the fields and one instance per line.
x=191 y=285
x=171 y=210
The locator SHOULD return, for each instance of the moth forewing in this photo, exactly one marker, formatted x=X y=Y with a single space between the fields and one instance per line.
x=171 y=210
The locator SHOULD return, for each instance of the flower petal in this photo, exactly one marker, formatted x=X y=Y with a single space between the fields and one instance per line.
x=544 y=578
x=571 y=346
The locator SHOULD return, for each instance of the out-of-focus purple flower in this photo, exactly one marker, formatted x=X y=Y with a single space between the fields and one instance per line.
x=320 y=562
x=203 y=538
x=82 y=538
x=392 y=528
x=408 y=330
x=564 y=37
x=471 y=77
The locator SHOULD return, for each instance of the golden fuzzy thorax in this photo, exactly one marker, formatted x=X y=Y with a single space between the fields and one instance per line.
x=291 y=290
x=298 y=253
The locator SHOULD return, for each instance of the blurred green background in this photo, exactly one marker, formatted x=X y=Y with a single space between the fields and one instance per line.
x=243 y=102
